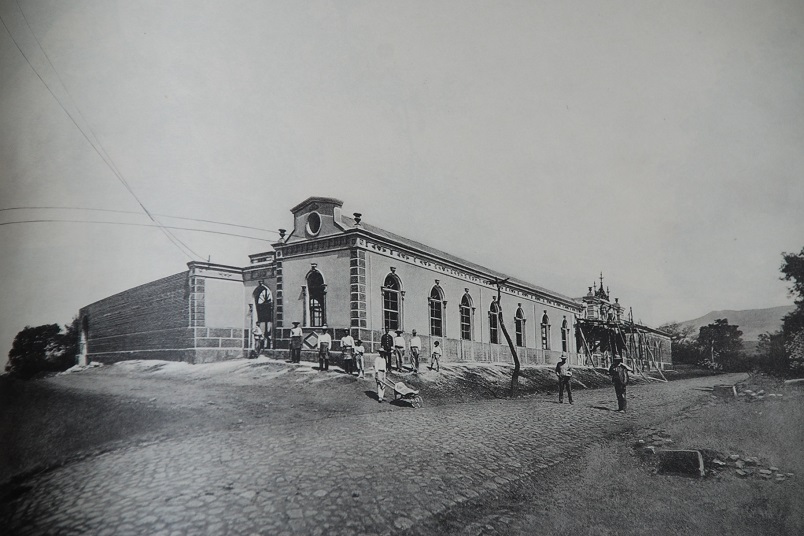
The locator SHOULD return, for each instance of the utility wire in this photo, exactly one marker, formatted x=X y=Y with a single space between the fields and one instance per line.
x=134 y=225
x=140 y=213
x=108 y=159
x=184 y=248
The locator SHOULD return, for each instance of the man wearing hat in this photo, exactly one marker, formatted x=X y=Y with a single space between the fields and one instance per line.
x=379 y=376
x=387 y=346
x=564 y=373
x=324 y=343
x=359 y=362
x=415 y=347
x=257 y=333
x=295 y=343
x=619 y=377
x=347 y=354
x=399 y=349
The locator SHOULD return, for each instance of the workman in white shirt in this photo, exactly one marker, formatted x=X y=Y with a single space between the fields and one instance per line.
x=436 y=357
x=415 y=348
x=379 y=376
x=359 y=350
x=257 y=333
x=347 y=347
x=399 y=349
x=324 y=343
x=295 y=343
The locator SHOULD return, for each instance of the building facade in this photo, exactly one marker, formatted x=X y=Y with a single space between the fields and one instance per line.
x=333 y=271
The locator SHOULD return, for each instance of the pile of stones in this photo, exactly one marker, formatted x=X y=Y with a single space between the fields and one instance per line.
x=750 y=395
x=750 y=466
x=655 y=439
x=657 y=444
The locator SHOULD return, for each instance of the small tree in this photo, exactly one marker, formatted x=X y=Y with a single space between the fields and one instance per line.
x=772 y=356
x=793 y=270
x=515 y=375
x=682 y=343
x=722 y=343
x=43 y=349
x=30 y=349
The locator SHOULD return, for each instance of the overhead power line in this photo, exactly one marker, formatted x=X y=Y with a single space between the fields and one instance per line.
x=134 y=225
x=99 y=149
x=140 y=213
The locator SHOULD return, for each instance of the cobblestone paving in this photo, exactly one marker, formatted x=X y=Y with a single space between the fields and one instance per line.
x=374 y=473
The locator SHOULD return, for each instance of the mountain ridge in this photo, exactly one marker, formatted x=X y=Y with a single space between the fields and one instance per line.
x=752 y=322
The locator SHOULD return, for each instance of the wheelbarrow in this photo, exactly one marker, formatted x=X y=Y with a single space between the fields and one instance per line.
x=403 y=392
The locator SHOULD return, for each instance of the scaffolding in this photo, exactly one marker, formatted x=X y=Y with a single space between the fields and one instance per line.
x=601 y=340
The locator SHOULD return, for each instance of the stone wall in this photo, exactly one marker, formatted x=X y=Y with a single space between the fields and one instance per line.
x=151 y=321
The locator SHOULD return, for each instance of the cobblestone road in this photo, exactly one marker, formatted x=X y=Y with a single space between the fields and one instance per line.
x=373 y=473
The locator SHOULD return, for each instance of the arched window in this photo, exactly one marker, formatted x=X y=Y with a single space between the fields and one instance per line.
x=519 y=324
x=436 y=312
x=564 y=336
x=466 y=317
x=392 y=302
x=264 y=303
x=494 y=323
x=545 y=332
x=317 y=301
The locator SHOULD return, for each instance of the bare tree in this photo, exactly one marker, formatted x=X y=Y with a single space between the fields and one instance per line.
x=515 y=376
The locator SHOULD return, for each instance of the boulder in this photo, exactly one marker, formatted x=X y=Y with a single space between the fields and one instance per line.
x=685 y=462
x=724 y=391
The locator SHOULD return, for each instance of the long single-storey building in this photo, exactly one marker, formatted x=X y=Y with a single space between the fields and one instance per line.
x=336 y=271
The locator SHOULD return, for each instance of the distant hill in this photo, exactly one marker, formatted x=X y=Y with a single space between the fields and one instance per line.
x=752 y=322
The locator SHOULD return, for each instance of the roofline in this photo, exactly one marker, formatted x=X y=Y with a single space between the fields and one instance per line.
x=316 y=199
x=564 y=300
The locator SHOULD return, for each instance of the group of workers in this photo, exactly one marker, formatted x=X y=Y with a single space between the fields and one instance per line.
x=392 y=351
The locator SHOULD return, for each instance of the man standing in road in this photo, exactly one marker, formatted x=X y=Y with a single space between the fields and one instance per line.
x=399 y=349
x=324 y=342
x=564 y=373
x=295 y=343
x=387 y=346
x=619 y=377
x=415 y=347
x=347 y=355
x=379 y=376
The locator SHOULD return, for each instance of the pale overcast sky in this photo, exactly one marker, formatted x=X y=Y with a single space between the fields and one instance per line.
x=661 y=143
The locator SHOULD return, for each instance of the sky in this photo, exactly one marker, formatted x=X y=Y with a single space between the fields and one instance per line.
x=660 y=143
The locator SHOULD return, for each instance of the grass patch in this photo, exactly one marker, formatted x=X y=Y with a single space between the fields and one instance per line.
x=609 y=489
